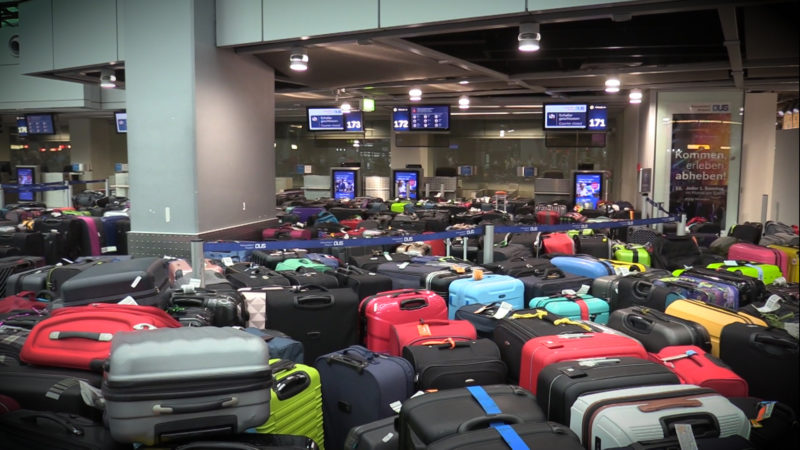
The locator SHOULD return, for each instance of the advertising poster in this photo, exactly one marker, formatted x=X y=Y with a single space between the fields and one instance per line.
x=406 y=185
x=699 y=165
x=588 y=189
x=344 y=185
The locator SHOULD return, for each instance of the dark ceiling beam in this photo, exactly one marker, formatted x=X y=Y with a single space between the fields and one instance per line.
x=640 y=70
x=730 y=31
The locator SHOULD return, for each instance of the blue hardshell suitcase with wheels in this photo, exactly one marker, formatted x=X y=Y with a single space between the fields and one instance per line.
x=486 y=289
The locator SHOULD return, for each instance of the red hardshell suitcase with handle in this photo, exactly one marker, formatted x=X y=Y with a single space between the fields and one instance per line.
x=424 y=332
x=547 y=217
x=539 y=352
x=558 y=243
x=379 y=312
x=79 y=337
x=694 y=366
x=756 y=253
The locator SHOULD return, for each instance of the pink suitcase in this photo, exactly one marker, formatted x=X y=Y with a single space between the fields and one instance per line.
x=542 y=351
x=380 y=311
x=756 y=253
x=694 y=366
x=91 y=236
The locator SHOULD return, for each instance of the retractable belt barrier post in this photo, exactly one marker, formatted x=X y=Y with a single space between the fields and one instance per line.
x=247 y=246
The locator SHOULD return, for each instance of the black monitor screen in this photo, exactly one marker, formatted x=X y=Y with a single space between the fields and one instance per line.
x=429 y=117
x=560 y=116
x=325 y=119
x=344 y=183
x=121 y=119
x=400 y=118
x=406 y=184
x=40 y=124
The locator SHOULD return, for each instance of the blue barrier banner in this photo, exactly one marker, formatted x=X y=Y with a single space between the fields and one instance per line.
x=86 y=181
x=248 y=246
x=34 y=187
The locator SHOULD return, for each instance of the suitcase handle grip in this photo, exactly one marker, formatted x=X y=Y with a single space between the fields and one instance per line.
x=101 y=337
x=642 y=288
x=347 y=361
x=68 y=427
x=409 y=291
x=660 y=405
x=413 y=303
x=197 y=407
x=486 y=421
x=291 y=385
x=778 y=342
x=640 y=323
x=314 y=301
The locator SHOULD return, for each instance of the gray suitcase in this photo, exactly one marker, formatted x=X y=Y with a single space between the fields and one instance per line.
x=621 y=417
x=185 y=383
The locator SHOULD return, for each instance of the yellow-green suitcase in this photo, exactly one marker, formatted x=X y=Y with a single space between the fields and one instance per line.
x=794 y=261
x=296 y=402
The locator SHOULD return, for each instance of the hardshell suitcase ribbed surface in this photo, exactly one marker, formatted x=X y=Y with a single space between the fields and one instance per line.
x=80 y=337
x=694 y=366
x=560 y=384
x=379 y=312
x=489 y=288
x=146 y=280
x=168 y=383
x=533 y=435
x=539 y=352
x=765 y=358
x=712 y=318
x=377 y=435
x=358 y=387
x=456 y=364
x=428 y=331
x=634 y=253
x=656 y=330
x=573 y=306
x=624 y=416
x=295 y=405
x=428 y=418
x=734 y=442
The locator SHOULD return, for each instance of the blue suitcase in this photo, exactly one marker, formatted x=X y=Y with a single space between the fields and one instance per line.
x=406 y=275
x=328 y=260
x=574 y=306
x=586 y=266
x=488 y=289
x=358 y=387
x=111 y=234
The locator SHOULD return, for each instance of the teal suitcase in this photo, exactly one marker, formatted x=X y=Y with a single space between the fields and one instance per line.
x=574 y=306
x=293 y=264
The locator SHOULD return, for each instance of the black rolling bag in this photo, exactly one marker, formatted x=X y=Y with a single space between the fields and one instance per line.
x=257 y=277
x=534 y=435
x=552 y=281
x=656 y=330
x=363 y=282
x=377 y=435
x=227 y=309
x=309 y=277
x=50 y=389
x=26 y=429
x=455 y=365
x=371 y=262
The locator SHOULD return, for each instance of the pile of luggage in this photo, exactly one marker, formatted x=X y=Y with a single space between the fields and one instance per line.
x=566 y=340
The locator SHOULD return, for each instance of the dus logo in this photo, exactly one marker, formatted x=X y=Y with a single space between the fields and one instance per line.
x=720 y=108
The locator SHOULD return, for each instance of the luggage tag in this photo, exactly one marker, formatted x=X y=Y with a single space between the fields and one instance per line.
x=685 y=435
x=227 y=261
x=584 y=289
x=765 y=409
x=772 y=304
x=127 y=301
x=503 y=310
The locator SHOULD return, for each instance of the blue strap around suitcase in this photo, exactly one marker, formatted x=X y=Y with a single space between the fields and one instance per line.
x=758 y=269
x=490 y=407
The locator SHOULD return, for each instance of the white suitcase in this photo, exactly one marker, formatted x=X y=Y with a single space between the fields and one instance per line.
x=621 y=417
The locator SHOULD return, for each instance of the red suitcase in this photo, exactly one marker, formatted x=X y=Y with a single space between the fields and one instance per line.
x=424 y=332
x=379 y=312
x=79 y=337
x=756 y=253
x=694 y=366
x=558 y=243
x=438 y=247
x=351 y=223
x=539 y=352
x=547 y=217
x=91 y=243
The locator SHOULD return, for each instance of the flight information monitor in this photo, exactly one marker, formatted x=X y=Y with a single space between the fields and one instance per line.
x=325 y=119
x=400 y=118
x=597 y=116
x=429 y=117
x=563 y=116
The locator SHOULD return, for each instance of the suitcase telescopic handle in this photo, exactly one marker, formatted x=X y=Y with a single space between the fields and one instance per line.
x=763 y=340
x=486 y=421
x=101 y=337
x=314 y=301
x=413 y=303
x=68 y=426
x=639 y=323
x=195 y=407
x=347 y=361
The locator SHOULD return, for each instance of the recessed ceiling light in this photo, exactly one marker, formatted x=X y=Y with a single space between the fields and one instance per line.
x=298 y=60
x=635 y=96
x=612 y=85
x=462 y=82
x=529 y=37
x=463 y=102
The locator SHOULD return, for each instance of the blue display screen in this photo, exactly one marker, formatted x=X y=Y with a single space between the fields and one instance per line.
x=527 y=172
x=25 y=176
x=465 y=171
x=40 y=124
x=325 y=119
x=406 y=184
x=429 y=117
x=353 y=121
x=565 y=117
x=400 y=118
x=597 y=116
x=121 y=119
x=344 y=184
x=588 y=189
x=22 y=126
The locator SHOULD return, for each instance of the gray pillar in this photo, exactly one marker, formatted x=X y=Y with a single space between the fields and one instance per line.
x=200 y=130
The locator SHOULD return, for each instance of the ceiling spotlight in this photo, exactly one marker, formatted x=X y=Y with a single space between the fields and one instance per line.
x=463 y=102
x=107 y=79
x=635 y=96
x=415 y=94
x=462 y=82
x=298 y=60
x=612 y=85
x=345 y=107
x=529 y=37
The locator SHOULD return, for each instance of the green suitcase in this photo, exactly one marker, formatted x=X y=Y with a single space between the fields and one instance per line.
x=574 y=306
x=293 y=264
x=399 y=207
x=296 y=402
x=633 y=253
x=583 y=232
x=764 y=272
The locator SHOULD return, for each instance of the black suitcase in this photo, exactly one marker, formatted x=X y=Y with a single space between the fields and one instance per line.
x=734 y=442
x=324 y=320
x=309 y=277
x=482 y=316
x=49 y=389
x=766 y=358
x=271 y=259
x=347 y=213
x=363 y=282
x=513 y=331
x=434 y=220
x=410 y=224
x=192 y=316
x=371 y=262
x=227 y=309
x=257 y=277
x=552 y=281
x=779 y=431
x=439 y=281
x=561 y=383
x=534 y=435
x=639 y=290
x=27 y=243
x=506 y=252
x=656 y=330
x=244 y=441
x=520 y=266
x=455 y=365
x=25 y=429
x=70 y=230
x=8 y=250
x=378 y=435
x=146 y=280
x=595 y=245
x=16 y=267
x=428 y=418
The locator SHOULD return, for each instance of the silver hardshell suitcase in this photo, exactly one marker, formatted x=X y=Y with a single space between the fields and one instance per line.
x=621 y=417
x=168 y=384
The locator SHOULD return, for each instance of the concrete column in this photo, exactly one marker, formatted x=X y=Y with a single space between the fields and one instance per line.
x=758 y=154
